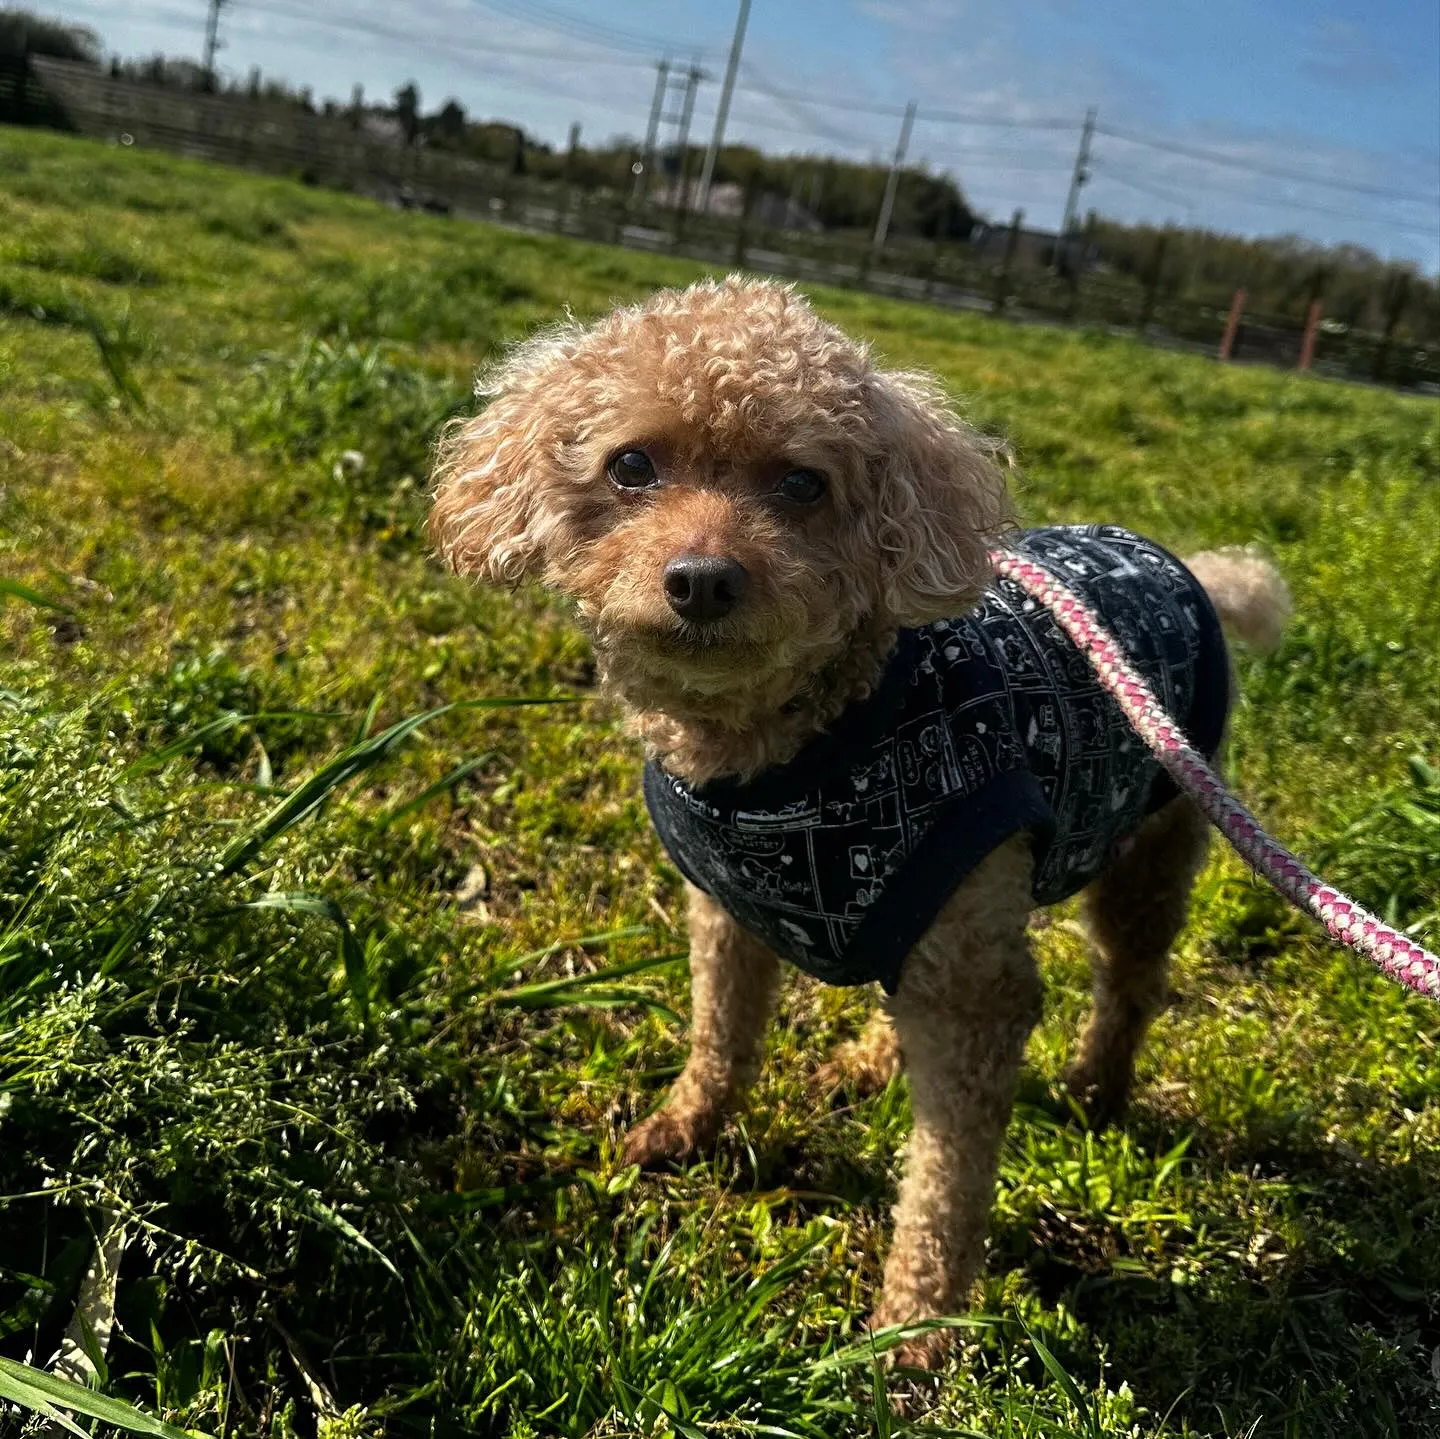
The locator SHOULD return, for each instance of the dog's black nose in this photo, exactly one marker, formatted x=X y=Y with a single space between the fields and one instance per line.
x=704 y=587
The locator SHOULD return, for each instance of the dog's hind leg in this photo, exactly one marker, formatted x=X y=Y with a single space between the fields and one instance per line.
x=733 y=982
x=1135 y=910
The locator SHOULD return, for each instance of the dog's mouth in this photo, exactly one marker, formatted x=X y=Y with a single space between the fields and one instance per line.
x=712 y=659
x=701 y=641
x=687 y=644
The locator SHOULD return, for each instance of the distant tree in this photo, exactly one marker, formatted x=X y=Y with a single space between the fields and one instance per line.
x=22 y=33
x=407 y=111
x=447 y=126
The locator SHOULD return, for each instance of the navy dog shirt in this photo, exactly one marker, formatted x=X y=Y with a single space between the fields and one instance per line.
x=980 y=727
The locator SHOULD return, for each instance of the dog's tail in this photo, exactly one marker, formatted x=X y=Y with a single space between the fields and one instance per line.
x=1247 y=591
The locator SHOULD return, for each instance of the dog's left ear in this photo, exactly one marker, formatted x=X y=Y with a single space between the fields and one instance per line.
x=940 y=501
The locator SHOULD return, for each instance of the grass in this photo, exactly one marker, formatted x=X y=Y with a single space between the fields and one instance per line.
x=330 y=977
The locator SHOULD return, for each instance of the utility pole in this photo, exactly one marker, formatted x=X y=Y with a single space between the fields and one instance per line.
x=693 y=76
x=722 y=113
x=647 y=155
x=212 y=40
x=892 y=182
x=1079 y=175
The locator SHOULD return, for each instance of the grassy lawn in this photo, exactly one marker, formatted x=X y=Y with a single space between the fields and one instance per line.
x=334 y=1018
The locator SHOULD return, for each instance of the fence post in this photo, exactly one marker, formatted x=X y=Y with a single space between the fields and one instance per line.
x=1397 y=296
x=862 y=268
x=1307 y=345
x=1077 y=256
x=1152 y=283
x=742 y=230
x=931 y=270
x=22 y=80
x=1319 y=282
x=1002 y=277
x=564 y=200
x=1232 y=325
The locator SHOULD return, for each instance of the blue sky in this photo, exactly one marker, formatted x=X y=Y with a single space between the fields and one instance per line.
x=1338 y=89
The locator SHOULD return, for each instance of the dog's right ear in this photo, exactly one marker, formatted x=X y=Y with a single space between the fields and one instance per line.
x=491 y=471
x=484 y=519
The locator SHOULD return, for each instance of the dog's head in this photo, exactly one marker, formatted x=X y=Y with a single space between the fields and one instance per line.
x=725 y=485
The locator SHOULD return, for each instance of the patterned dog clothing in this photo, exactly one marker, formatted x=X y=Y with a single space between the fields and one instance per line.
x=980 y=727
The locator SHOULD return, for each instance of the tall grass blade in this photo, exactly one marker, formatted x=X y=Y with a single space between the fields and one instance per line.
x=15 y=590
x=308 y=796
x=356 y=974
x=41 y=1392
x=448 y=782
x=1067 y=1385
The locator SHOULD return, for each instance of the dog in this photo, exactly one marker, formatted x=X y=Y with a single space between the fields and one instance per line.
x=865 y=754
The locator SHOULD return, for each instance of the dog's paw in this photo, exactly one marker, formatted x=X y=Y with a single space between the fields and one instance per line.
x=925 y=1351
x=1102 y=1095
x=667 y=1137
x=866 y=1064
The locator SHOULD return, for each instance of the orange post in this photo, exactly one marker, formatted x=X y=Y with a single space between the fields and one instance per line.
x=1307 y=345
x=1232 y=325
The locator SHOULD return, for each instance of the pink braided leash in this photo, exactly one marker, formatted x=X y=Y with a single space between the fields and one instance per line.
x=1396 y=955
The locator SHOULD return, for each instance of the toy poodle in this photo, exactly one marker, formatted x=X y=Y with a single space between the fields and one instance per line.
x=866 y=754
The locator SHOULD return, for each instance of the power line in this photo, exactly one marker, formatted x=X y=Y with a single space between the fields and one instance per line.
x=384 y=32
x=860 y=107
x=1143 y=187
x=579 y=27
x=1005 y=162
x=1274 y=172
x=798 y=110
x=950 y=117
x=1383 y=222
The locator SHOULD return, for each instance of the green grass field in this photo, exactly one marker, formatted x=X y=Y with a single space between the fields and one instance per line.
x=334 y=1018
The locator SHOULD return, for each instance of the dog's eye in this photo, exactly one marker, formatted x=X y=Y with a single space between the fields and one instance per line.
x=632 y=470
x=803 y=487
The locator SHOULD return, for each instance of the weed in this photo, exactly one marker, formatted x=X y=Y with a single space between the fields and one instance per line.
x=250 y=224
x=456 y=300
x=357 y=419
x=91 y=260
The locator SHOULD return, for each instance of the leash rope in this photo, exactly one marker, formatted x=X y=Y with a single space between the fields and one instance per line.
x=1394 y=953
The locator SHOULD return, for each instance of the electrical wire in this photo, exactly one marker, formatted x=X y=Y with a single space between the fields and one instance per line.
x=577 y=27
x=950 y=117
x=863 y=107
x=1274 y=172
x=1277 y=202
x=384 y=32
x=1143 y=186
x=989 y=160
x=798 y=110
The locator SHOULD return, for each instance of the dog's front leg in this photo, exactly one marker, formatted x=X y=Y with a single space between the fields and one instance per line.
x=969 y=996
x=733 y=980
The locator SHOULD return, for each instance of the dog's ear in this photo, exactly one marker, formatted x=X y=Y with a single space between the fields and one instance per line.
x=940 y=498
x=493 y=472
x=486 y=495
